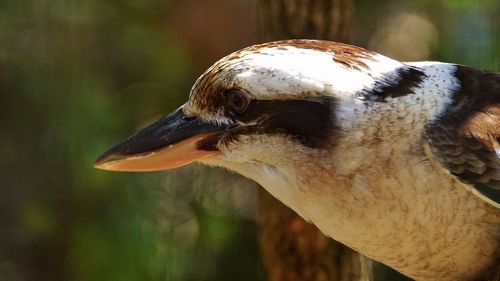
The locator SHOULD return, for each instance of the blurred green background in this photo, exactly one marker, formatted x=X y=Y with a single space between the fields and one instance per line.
x=78 y=76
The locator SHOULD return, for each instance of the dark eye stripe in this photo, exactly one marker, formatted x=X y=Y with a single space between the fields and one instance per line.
x=309 y=121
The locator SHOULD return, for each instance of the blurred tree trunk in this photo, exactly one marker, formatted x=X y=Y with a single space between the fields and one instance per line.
x=292 y=249
x=311 y=19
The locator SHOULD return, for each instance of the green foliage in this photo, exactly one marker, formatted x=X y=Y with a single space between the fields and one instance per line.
x=76 y=77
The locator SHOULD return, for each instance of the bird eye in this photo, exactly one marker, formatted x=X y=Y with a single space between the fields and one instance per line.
x=237 y=100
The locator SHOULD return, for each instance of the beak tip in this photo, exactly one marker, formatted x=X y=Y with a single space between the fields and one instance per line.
x=101 y=162
x=97 y=165
x=104 y=165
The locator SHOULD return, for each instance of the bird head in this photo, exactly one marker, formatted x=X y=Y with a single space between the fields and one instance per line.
x=268 y=105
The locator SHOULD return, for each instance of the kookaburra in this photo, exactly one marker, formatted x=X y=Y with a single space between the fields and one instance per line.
x=397 y=160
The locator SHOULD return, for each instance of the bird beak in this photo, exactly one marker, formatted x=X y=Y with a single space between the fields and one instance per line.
x=173 y=141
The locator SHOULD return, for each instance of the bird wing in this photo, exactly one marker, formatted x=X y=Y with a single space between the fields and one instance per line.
x=466 y=137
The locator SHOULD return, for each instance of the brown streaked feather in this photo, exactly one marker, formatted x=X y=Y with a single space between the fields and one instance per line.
x=213 y=82
x=348 y=55
x=484 y=126
x=466 y=138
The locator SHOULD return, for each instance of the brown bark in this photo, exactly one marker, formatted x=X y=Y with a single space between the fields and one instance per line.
x=292 y=249
x=319 y=19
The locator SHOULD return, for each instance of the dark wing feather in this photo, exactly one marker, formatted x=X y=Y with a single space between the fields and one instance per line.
x=466 y=138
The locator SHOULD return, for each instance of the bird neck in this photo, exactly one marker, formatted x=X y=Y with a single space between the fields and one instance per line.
x=435 y=216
